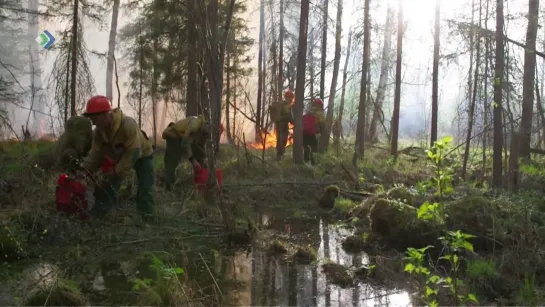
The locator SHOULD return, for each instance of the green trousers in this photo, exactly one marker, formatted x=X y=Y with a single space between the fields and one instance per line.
x=106 y=195
x=174 y=152
x=310 y=147
x=282 y=134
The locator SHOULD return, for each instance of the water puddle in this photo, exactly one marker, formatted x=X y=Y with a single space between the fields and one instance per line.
x=270 y=281
x=251 y=277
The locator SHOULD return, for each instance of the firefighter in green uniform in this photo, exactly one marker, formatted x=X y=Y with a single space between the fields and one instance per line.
x=118 y=137
x=74 y=143
x=193 y=130
x=281 y=115
x=313 y=124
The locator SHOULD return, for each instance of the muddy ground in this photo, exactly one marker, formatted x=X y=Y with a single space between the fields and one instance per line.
x=291 y=247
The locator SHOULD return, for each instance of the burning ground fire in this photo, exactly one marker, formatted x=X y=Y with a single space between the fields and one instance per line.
x=270 y=138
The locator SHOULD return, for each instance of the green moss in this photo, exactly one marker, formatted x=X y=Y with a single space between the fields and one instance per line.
x=344 y=205
x=59 y=293
x=305 y=255
x=338 y=274
x=401 y=194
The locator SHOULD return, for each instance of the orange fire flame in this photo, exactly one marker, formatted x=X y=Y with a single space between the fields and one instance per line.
x=269 y=139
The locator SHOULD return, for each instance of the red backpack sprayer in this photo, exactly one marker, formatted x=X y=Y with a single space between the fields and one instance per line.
x=201 y=174
x=71 y=195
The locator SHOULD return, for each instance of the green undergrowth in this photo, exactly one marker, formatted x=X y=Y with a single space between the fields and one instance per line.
x=406 y=207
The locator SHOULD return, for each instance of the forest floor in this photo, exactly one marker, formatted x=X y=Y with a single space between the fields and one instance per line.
x=371 y=237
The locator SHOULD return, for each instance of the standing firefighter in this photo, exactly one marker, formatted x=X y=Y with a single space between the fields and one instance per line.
x=118 y=138
x=193 y=130
x=313 y=124
x=280 y=113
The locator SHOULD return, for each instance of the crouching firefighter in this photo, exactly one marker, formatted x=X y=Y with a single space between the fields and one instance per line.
x=193 y=131
x=117 y=138
x=74 y=143
x=313 y=124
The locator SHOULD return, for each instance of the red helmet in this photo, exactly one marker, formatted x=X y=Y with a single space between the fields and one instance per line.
x=221 y=128
x=97 y=104
x=318 y=101
x=289 y=94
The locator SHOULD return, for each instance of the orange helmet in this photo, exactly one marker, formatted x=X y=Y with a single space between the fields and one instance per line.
x=318 y=101
x=97 y=104
x=289 y=94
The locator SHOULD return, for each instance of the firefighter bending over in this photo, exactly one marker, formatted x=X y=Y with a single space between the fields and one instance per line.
x=313 y=124
x=74 y=143
x=117 y=137
x=192 y=130
x=281 y=115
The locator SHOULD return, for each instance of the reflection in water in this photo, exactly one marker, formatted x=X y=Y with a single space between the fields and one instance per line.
x=239 y=270
x=267 y=280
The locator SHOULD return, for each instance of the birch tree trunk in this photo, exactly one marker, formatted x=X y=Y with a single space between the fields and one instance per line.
x=111 y=50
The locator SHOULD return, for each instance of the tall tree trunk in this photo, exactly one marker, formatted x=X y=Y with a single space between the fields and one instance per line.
x=324 y=138
x=264 y=99
x=497 y=179
x=141 y=76
x=74 y=69
x=540 y=110
x=310 y=58
x=435 y=82
x=339 y=133
x=383 y=78
x=281 y=51
x=154 y=93
x=397 y=96
x=67 y=89
x=324 y=49
x=360 y=129
x=228 y=97
x=192 y=84
x=472 y=99
x=275 y=90
x=111 y=50
x=235 y=86
x=486 y=102
x=260 y=83
x=529 y=77
x=298 y=157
